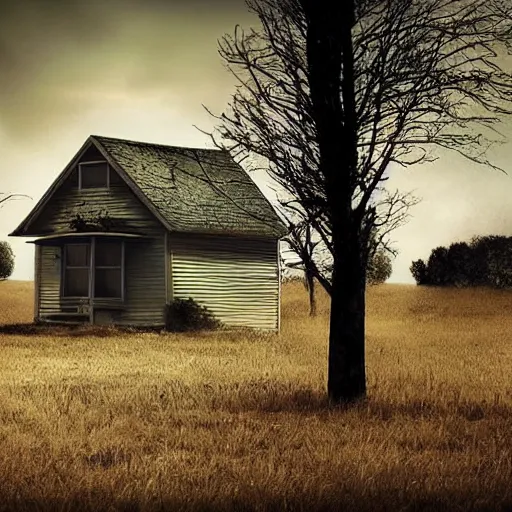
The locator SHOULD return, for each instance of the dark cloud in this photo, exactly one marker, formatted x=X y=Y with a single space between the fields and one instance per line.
x=53 y=53
x=141 y=69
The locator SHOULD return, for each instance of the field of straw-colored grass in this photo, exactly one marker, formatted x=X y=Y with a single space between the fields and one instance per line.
x=104 y=420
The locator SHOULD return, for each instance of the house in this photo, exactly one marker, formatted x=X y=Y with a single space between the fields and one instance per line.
x=129 y=226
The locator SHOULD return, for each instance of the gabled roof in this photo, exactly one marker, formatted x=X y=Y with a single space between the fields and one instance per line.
x=187 y=189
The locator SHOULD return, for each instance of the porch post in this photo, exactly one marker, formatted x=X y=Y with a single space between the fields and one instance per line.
x=91 y=279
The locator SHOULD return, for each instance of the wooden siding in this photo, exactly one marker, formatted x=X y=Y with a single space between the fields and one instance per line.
x=145 y=272
x=119 y=202
x=144 y=283
x=49 y=280
x=37 y=271
x=236 y=279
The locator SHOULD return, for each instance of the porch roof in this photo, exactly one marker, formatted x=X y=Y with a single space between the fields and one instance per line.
x=62 y=237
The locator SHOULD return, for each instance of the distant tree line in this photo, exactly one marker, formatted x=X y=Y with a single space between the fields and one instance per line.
x=484 y=261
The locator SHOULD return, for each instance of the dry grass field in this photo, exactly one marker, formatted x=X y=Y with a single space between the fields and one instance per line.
x=104 y=420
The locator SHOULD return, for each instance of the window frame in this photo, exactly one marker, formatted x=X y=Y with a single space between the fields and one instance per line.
x=93 y=162
x=65 y=268
x=92 y=272
x=109 y=267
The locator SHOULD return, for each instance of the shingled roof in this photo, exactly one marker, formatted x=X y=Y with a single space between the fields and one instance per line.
x=193 y=190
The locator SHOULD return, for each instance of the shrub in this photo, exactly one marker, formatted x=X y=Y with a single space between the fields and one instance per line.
x=379 y=268
x=6 y=260
x=419 y=272
x=460 y=267
x=187 y=315
x=480 y=260
x=437 y=265
x=497 y=251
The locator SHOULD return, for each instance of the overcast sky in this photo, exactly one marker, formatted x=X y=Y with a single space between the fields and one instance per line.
x=141 y=70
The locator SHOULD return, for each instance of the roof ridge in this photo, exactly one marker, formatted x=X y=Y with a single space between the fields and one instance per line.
x=153 y=144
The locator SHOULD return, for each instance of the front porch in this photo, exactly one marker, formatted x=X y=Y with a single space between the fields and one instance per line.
x=87 y=274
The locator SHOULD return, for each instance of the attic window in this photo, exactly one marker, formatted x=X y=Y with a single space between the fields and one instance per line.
x=93 y=175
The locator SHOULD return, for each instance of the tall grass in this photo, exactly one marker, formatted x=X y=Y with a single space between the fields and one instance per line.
x=239 y=421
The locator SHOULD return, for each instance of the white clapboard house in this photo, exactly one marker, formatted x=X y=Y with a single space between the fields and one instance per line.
x=129 y=226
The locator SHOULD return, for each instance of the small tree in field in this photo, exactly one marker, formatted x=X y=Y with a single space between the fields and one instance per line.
x=437 y=267
x=420 y=272
x=379 y=268
x=6 y=260
x=6 y=254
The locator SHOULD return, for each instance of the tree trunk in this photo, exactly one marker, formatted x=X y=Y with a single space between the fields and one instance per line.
x=310 y=283
x=331 y=71
x=346 y=369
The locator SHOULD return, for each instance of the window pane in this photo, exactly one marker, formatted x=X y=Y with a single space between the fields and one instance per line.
x=107 y=283
x=77 y=255
x=114 y=177
x=108 y=254
x=76 y=282
x=94 y=175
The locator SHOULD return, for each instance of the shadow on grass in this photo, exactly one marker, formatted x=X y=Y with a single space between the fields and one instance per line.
x=105 y=331
x=266 y=395
x=282 y=397
x=259 y=499
x=65 y=330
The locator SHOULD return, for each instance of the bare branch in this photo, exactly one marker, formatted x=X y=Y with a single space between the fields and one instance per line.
x=4 y=198
x=427 y=75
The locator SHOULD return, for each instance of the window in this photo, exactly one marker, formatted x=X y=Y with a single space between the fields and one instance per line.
x=108 y=269
x=93 y=175
x=76 y=272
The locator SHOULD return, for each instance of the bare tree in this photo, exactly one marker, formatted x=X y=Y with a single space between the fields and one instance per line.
x=313 y=259
x=316 y=259
x=334 y=96
x=300 y=241
x=4 y=198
